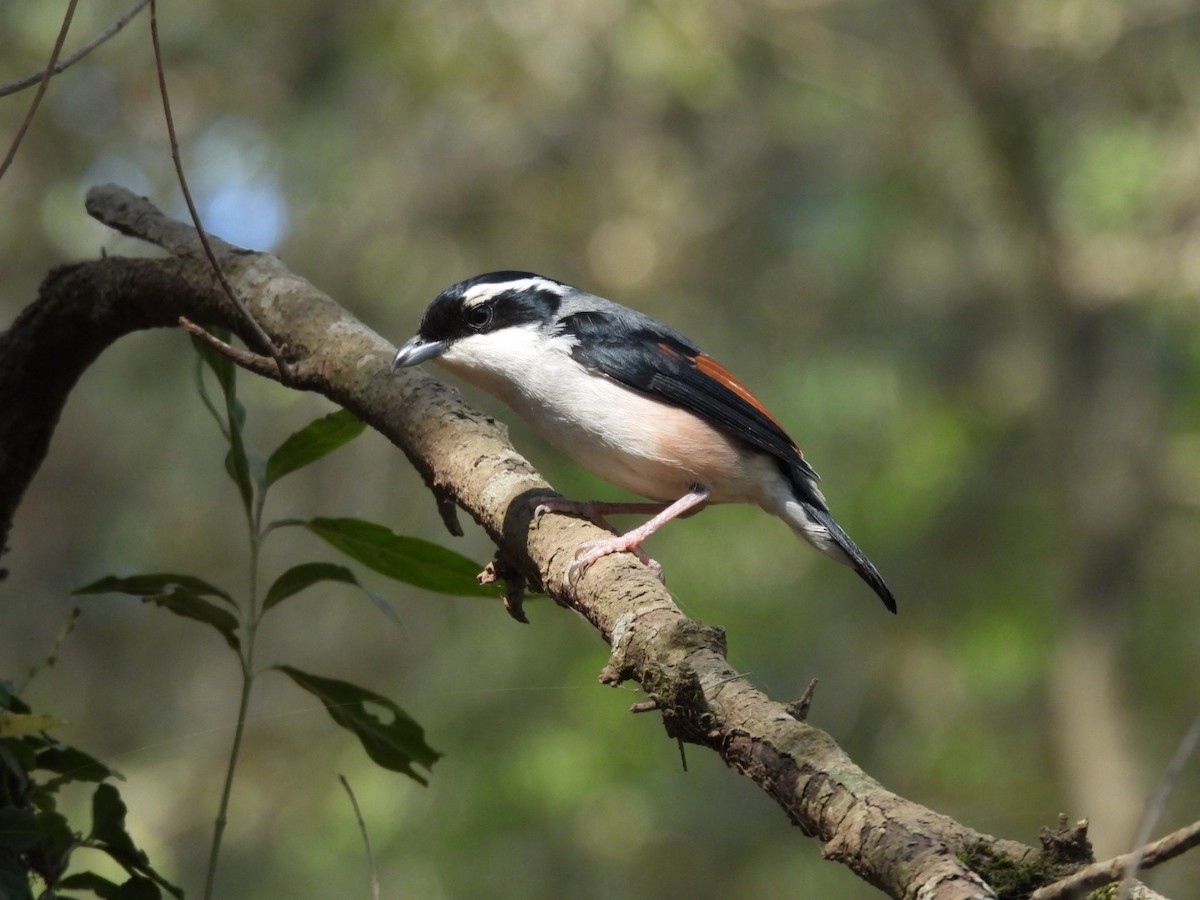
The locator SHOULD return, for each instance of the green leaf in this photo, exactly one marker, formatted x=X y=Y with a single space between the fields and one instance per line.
x=222 y=366
x=108 y=824
x=71 y=765
x=317 y=439
x=90 y=881
x=56 y=839
x=407 y=559
x=18 y=829
x=237 y=461
x=396 y=745
x=9 y=700
x=181 y=594
x=139 y=888
x=205 y=354
x=191 y=606
x=154 y=584
x=297 y=578
x=17 y=759
x=135 y=888
x=109 y=835
x=14 y=882
x=17 y=724
x=237 y=464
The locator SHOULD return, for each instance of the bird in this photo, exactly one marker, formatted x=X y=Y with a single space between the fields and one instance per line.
x=632 y=400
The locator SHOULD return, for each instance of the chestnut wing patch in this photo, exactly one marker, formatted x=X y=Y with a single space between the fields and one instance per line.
x=642 y=354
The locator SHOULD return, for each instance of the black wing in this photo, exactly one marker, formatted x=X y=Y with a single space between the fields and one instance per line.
x=647 y=356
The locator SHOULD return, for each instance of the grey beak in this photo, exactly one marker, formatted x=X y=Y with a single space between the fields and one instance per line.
x=417 y=350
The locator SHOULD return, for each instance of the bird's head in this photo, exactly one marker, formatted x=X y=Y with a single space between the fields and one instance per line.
x=482 y=317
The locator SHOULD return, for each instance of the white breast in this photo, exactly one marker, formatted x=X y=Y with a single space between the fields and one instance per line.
x=642 y=445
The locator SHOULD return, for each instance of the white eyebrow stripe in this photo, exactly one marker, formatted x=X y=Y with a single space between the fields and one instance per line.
x=481 y=293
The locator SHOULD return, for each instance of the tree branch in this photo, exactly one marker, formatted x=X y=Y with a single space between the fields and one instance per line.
x=19 y=84
x=1099 y=874
x=41 y=91
x=903 y=848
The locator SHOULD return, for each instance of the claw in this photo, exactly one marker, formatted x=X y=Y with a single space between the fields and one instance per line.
x=593 y=550
x=592 y=510
x=631 y=541
x=559 y=505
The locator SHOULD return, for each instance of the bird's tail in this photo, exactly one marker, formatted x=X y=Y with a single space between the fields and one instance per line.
x=816 y=526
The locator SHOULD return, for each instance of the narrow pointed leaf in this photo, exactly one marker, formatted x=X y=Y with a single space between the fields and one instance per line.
x=181 y=594
x=192 y=606
x=202 y=390
x=305 y=575
x=297 y=578
x=17 y=725
x=396 y=745
x=70 y=764
x=155 y=583
x=237 y=463
x=384 y=606
x=237 y=460
x=317 y=439
x=407 y=559
x=221 y=365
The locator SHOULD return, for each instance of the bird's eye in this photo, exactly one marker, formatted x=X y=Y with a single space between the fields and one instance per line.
x=479 y=317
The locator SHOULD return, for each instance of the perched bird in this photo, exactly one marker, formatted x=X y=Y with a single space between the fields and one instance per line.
x=632 y=400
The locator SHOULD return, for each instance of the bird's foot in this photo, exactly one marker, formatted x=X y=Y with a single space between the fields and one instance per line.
x=584 y=508
x=594 y=511
x=631 y=541
x=593 y=550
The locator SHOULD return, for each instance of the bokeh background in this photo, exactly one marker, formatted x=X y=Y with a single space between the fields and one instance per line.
x=955 y=246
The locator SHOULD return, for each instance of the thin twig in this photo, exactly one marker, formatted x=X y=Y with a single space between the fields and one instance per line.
x=19 y=84
x=41 y=91
x=255 y=328
x=1154 y=809
x=1106 y=872
x=798 y=709
x=362 y=827
x=259 y=365
x=52 y=658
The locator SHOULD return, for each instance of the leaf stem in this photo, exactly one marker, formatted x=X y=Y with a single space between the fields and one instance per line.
x=246 y=657
x=227 y=790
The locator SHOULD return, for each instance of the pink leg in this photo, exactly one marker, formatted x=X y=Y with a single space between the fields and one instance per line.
x=631 y=541
x=595 y=511
x=652 y=564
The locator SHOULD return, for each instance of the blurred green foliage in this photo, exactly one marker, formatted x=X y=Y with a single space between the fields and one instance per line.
x=36 y=838
x=952 y=244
